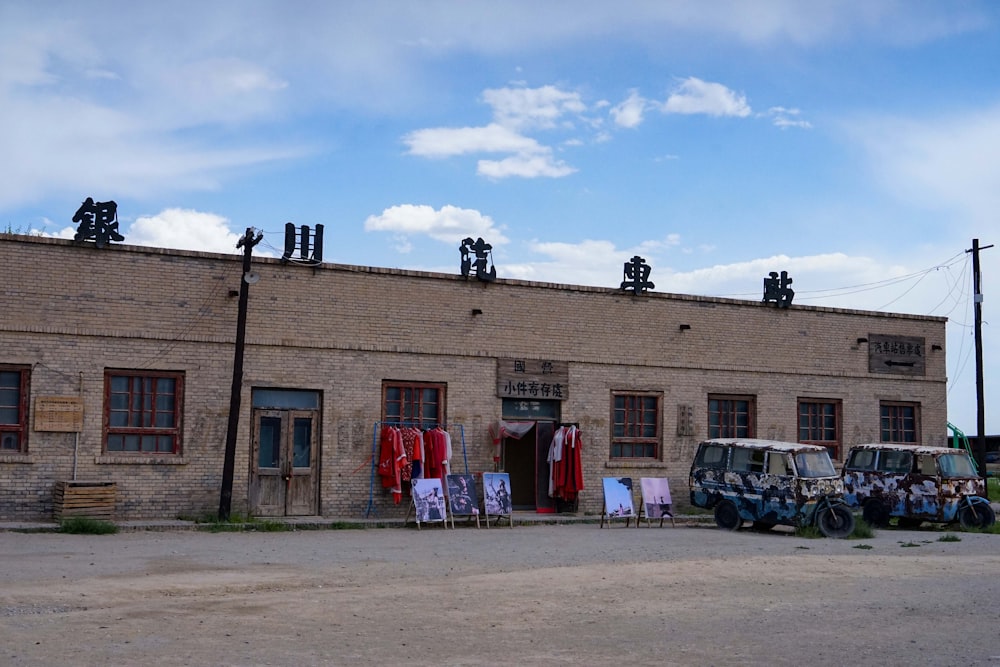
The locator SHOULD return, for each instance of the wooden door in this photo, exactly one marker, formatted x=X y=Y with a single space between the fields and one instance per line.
x=284 y=478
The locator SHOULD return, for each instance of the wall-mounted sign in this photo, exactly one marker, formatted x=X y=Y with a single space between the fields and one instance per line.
x=899 y=355
x=59 y=413
x=533 y=379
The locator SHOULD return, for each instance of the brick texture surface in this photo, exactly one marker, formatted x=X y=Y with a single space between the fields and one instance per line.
x=71 y=311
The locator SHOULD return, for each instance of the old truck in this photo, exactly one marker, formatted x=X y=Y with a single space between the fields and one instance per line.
x=915 y=484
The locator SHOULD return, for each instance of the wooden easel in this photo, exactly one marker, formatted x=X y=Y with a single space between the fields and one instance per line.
x=509 y=516
x=611 y=482
x=642 y=515
x=416 y=514
x=655 y=485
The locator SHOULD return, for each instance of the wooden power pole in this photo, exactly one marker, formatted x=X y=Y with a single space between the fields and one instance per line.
x=249 y=240
x=977 y=295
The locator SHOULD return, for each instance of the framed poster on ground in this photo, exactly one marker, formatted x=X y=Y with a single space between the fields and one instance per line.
x=496 y=496
x=428 y=501
x=617 y=499
x=656 y=503
x=462 y=497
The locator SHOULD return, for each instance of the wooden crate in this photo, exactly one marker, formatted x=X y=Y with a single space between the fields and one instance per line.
x=92 y=499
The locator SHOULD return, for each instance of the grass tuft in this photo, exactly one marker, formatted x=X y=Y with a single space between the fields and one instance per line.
x=862 y=530
x=808 y=532
x=85 y=525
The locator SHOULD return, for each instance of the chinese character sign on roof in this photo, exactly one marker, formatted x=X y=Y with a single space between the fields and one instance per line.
x=98 y=222
x=777 y=290
x=481 y=249
x=637 y=276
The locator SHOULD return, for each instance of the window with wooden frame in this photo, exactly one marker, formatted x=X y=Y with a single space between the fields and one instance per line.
x=142 y=412
x=14 y=385
x=819 y=423
x=635 y=425
x=900 y=422
x=418 y=404
x=732 y=416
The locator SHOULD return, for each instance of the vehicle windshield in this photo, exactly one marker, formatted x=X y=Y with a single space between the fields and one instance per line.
x=956 y=465
x=814 y=464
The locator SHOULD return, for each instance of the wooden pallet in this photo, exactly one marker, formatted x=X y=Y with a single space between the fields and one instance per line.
x=92 y=499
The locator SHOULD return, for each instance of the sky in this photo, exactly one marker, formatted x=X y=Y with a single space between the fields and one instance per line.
x=853 y=144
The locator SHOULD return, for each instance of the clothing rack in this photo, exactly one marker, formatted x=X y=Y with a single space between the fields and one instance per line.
x=370 y=508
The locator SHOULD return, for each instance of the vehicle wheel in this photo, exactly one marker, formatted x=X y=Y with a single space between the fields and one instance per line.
x=909 y=523
x=978 y=516
x=763 y=526
x=876 y=514
x=836 y=521
x=727 y=517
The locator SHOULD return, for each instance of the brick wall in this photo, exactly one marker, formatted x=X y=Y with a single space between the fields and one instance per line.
x=72 y=311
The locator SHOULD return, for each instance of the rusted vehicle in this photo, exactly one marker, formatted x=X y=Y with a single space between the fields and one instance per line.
x=769 y=483
x=915 y=484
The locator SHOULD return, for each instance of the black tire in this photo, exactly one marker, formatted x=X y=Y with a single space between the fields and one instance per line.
x=875 y=514
x=762 y=526
x=909 y=523
x=979 y=516
x=836 y=521
x=727 y=517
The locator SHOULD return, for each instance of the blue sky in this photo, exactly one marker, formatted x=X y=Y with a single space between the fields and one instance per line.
x=854 y=144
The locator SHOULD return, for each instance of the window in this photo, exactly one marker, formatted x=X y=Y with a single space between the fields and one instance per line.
x=748 y=460
x=142 y=412
x=635 y=426
x=814 y=465
x=900 y=422
x=712 y=456
x=413 y=403
x=895 y=462
x=731 y=416
x=14 y=409
x=956 y=465
x=861 y=459
x=819 y=423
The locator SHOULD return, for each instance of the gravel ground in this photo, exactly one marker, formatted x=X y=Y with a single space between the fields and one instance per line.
x=531 y=595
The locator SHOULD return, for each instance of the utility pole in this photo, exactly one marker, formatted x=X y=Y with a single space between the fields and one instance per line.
x=977 y=296
x=249 y=240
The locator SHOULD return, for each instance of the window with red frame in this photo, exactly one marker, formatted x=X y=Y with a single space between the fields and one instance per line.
x=635 y=426
x=14 y=409
x=900 y=422
x=819 y=423
x=142 y=412
x=417 y=404
x=731 y=416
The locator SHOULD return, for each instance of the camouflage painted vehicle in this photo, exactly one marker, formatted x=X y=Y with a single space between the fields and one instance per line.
x=915 y=484
x=769 y=483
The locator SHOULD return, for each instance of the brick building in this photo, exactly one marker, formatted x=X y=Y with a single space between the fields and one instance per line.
x=116 y=365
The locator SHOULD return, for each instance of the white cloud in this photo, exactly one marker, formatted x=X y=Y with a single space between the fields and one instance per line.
x=629 y=112
x=784 y=118
x=694 y=96
x=524 y=165
x=516 y=110
x=185 y=229
x=449 y=224
x=532 y=107
x=446 y=142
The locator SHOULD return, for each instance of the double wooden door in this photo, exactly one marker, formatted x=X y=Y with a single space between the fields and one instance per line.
x=284 y=478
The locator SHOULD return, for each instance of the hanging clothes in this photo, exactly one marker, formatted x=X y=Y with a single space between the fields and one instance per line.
x=566 y=464
x=413 y=445
x=392 y=460
x=438 y=454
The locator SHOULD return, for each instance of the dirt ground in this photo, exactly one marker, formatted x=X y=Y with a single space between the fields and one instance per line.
x=531 y=595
